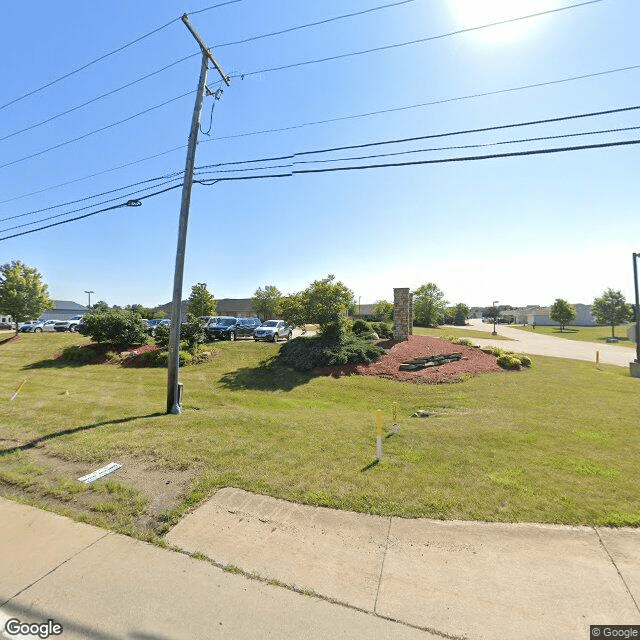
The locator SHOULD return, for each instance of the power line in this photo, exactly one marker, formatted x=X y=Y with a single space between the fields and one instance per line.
x=110 y=53
x=357 y=168
x=313 y=24
x=425 y=104
x=510 y=154
x=66 y=213
x=446 y=134
x=92 y=175
x=86 y=135
x=213 y=6
x=100 y=97
x=410 y=42
x=88 y=64
x=87 y=215
x=91 y=197
x=409 y=152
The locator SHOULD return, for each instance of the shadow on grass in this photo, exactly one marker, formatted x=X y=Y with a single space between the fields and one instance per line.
x=66 y=432
x=370 y=466
x=269 y=375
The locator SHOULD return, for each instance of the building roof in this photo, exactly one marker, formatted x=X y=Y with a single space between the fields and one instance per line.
x=68 y=304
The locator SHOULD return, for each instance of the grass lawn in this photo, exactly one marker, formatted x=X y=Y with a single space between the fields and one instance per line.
x=457 y=332
x=558 y=443
x=585 y=334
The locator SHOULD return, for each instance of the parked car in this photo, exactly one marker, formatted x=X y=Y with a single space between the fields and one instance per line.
x=68 y=325
x=49 y=325
x=156 y=322
x=31 y=326
x=5 y=326
x=229 y=328
x=273 y=330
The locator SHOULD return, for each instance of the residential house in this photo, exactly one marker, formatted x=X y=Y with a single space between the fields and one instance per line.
x=540 y=316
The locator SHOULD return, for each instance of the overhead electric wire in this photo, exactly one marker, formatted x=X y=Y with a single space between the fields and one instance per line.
x=86 y=135
x=171 y=176
x=410 y=42
x=423 y=104
x=92 y=175
x=214 y=6
x=409 y=152
x=312 y=24
x=446 y=134
x=100 y=97
x=88 y=64
x=97 y=204
x=356 y=168
x=87 y=215
x=529 y=152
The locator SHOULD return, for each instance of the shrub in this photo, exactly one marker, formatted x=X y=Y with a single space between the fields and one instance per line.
x=160 y=358
x=524 y=360
x=465 y=342
x=120 y=327
x=305 y=354
x=191 y=335
x=509 y=361
x=77 y=355
x=383 y=329
x=360 y=326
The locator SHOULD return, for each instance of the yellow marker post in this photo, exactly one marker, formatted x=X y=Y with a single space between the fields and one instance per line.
x=379 y=434
x=598 y=359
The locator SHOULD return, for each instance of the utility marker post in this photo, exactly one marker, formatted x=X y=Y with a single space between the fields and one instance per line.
x=173 y=399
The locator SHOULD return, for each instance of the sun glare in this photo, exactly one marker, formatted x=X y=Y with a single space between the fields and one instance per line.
x=472 y=13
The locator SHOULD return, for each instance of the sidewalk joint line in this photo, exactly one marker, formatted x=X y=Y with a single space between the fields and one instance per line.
x=384 y=557
x=15 y=595
x=624 y=582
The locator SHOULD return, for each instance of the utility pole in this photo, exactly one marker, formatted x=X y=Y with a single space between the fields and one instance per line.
x=173 y=390
x=89 y=292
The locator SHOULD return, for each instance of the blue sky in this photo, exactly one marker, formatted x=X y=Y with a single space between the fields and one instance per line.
x=521 y=230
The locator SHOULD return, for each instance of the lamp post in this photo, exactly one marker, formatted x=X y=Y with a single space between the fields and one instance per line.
x=89 y=292
x=495 y=317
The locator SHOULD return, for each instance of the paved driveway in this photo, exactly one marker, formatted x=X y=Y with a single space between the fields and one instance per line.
x=543 y=345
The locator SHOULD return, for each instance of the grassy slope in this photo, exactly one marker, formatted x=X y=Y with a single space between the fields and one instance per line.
x=585 y=334
x=557 y=443
x=456 y=332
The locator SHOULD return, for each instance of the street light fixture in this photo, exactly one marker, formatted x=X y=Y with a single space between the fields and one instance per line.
x=495 y=317
x=89 y=292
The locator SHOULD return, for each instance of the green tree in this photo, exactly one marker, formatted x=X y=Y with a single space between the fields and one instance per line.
x=562 y=312
x=461 y=314
x=383 y=311
x=292 y=310
x=23 y=295
x=266 y=302
x=201 y=302
x=429 y=305
x=611 y=308
x=324 y=302
x=101 y=305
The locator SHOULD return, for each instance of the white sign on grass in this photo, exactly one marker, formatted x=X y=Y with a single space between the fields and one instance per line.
x=100 y=473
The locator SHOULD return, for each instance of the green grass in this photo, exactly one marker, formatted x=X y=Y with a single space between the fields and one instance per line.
x=457 y=332
x=584 y=334
x=558 y=443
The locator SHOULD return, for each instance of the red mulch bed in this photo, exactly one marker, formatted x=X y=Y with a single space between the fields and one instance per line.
x=416 y=347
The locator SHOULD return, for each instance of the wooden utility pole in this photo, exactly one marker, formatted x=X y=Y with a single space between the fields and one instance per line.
x=173 y=386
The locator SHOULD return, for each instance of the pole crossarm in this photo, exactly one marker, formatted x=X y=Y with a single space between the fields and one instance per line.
x=206 y=51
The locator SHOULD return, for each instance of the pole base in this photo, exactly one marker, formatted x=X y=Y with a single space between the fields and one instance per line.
x=634 y=369
x=175 y=410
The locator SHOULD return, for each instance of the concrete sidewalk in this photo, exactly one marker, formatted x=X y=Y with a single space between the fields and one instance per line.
x=387 y=577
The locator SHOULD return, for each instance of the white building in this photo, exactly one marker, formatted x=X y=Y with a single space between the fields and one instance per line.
x=540 y=316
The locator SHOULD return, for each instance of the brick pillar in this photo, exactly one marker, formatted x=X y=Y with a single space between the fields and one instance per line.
x=402 y=314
